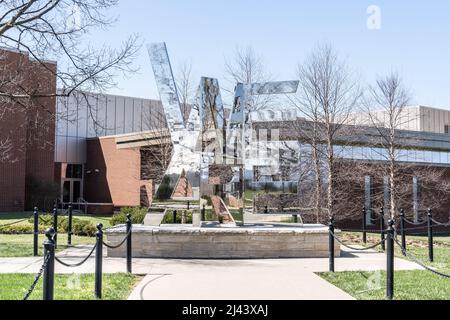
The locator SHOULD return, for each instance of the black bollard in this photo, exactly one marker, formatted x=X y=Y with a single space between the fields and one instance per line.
x=331 y=244
x=204 y=213
x=55 y=224
x=174 y=216
x=430 y=236
x=36 y=232
x=390 y=261
x=49 y=271
x=189 y=205
x=364 y=225
x=69 y=234
x=98 y=261
x=382 y=226
x=129 y=248
x=402 y=228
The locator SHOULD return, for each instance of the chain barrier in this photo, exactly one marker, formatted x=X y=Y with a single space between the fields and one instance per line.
x=424 y=227
x=354 y=248
x=371 y=231
x=13 y=223
x=37 y=278
x=415 y=223
x=50 y=221
x=119 y=245
x=77 y=264
x=417 y=261
x=14 y=233
x=440 y=224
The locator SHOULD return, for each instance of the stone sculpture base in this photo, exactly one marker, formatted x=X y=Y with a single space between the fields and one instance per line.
x=249 y=242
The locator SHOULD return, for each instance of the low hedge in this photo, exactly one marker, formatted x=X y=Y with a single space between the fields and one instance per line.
x=168 y=218
x=20 y=229
x=79 y=227
x=137 y=216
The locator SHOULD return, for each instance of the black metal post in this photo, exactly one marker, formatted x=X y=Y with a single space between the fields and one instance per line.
x=69 y=235
x=174 y=216
x=383 y=230
x=430 y=236
x=36 y=232
x=189 y=205
x=204 y=213
x=49 y=271
x=98 y=261
x=129 y=248
x=402 y=228
x=266 y=209
x=55 y=224
x=364 y=225
x=331 y=244
x=390 y=261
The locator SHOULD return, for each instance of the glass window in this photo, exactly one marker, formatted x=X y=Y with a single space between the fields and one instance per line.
x=74 y=171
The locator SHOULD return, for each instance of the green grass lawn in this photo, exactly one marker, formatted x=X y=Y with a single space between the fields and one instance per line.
x=6 y=218
x=409 y=285
x=22 y=245
x=68 y=287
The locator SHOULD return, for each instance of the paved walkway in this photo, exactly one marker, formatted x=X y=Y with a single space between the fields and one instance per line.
x=170 y=279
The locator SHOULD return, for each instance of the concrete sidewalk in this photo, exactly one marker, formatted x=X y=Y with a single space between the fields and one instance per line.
x=291 y=279
x=169 y=279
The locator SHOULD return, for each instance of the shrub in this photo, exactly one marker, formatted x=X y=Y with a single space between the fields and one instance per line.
x=83 y=228
x=137 y=215
x=79 y=227
x=168 y=218
x=18 y=229
x=42 y=193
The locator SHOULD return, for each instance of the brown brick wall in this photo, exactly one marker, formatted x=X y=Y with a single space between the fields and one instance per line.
x=118 y=180
x=30 y=127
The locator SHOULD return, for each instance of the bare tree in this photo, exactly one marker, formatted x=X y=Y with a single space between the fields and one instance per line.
x=247 y=67
x=157 y=153
x=56 y=30
x=185 y=88
x=389 y=98
x=327 y=95
x=5 y=149
x=388 y=113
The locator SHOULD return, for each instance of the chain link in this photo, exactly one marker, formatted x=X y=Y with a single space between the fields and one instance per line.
x=37 y=278
x=415 y=223
x=417 y=261
x=77 y=264
x=357 y=249
x=119 y=245
x=440 y=224
x=13 y=223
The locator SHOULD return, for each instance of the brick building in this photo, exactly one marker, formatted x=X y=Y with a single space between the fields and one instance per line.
x=28 y=127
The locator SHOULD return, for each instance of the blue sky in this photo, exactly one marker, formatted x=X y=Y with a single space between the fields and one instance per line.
x=413 y=39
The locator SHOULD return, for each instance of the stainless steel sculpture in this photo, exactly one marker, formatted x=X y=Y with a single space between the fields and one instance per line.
x=166 y=85
x=185 y=158
x=244 y=150
x=215 y=156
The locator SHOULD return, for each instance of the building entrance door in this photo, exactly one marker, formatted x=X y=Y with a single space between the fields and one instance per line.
x=72 y=183
x=71 y=190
